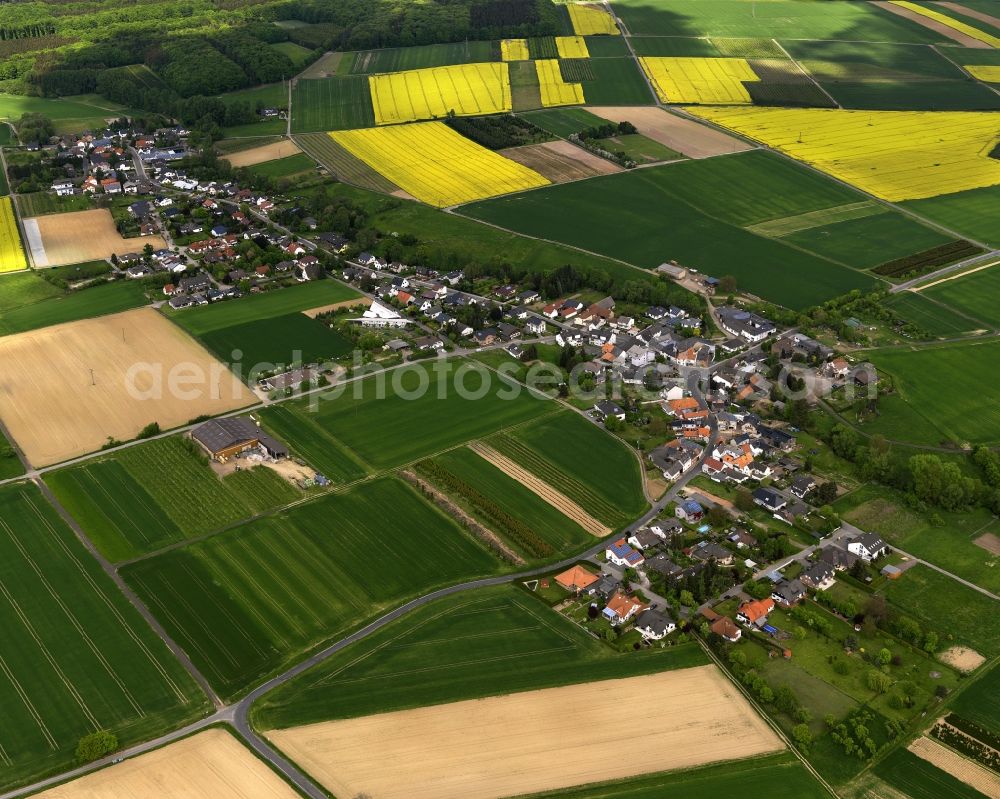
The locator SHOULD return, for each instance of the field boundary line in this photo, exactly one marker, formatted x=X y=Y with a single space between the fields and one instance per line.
x=801 y=69
x=27 y=702
x=111 y=607
x=256 y=559
x=473 y=637
x=955 y=276
x=963 y=70
x=73 y=620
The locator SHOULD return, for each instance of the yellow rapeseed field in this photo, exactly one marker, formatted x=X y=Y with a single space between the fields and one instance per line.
x=951 y=22
x=11 y=252
x=466 y=89
x=572 y=47
x=591 y=21
x=514 y=50
x=699 y=80
x=895 y=155
x=437 y=165
x=554 y=90
x=990 y=74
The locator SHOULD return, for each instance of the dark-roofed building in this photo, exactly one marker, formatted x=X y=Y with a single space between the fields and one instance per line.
x=653 y=625
x=788 y=593
x=228 y=437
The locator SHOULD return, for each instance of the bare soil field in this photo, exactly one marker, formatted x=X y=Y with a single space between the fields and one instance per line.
x=534 y=741
x=555 y=498
x=932 y=24
x=65 y=389
x=683 y=135
x=962 y=658
x=60 y=239
x=965 y=11
x=962 y=769
x=989 y=542
x=209 y=765
x=357 y=302
x=561 y=161
x=267 y=152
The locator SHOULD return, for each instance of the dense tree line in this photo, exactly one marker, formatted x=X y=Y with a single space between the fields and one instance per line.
x=498 y=132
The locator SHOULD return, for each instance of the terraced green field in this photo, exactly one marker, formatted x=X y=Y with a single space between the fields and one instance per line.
x=30 y=305
x=336 y=103
x=564 y=535
x=365 y=416
x=493 y=641
x=250 y=601
x=941 y=386
x=976 y=294
x=154 y=494
x=702 y=207
x=573 y=456
x=75 y=654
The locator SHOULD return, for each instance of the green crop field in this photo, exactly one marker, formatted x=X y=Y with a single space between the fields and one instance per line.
x=564 y=121
x=252 y=600
x=592 y=468
x=439 y=653
x=794 y=19
x=312 y=443
x=941 y=385
x=607 y=47
x=609 y=81
x=284 y=167
x=701 y=206
x=154 y=494
x=76 y=656
x=270 y=304
x=948 y=606
x=980 y=702
x=288 y=339
x=919 y=779
x=397 y=59
x=343 y=165
x=975 y=294
x=70 y=114
x=54 y=309
x=298 y=54
x=754 y=778
x=366 y=415
x=551 y=525
x=337 y=103
x=639 y=148
x=933 y=317
x=273 y=95
x=39 y=203
x=10 y=464
x=674 y=47
x=973 y=213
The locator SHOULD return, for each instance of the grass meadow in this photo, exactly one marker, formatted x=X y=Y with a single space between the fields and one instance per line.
x=27 y=302
x=10 y=464
x=919 y=779
x=394 y=418
x=286 y=339
x=551 y=525
x=936 y=319
x=980 y=702
x=493 y=641
x=76 y=656
x=253 y=600
x=337 y=103
x=592 y=468
x=754 y=778
x=284 y=167
x=939 y=393
x=976 y=294
x=158 y=493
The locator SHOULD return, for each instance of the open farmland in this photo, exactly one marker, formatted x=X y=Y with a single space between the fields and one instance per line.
x=934 y=318
x=53 y=307
x=591 y=20
x=592 y=468
x=919 y=779
x=700 y=80
x=958 y=766
x=972 y=212
x=336 y=103
x=76 y=656
x=154 y=494
x=365 y=415
x=280 y=340
x=11 y=252
x=397 y=59
x=679 y=134
x=246 y=602
x=696 y=226
x=210 y=765
x=939 y=386
x=572 y=47
x=297 y=166
x=561 y=161
x=554 y=90
x=69 y=114
x=258 y=155
x=85 y=393
x=437 y=165
x=343 y=165
x=977 y=34
x=59 y=239
x=608 y=81
x=895 y=155
x=980 y=702
x=975 y=294
x=465 y=89
x=437 y=751
x=514 y=50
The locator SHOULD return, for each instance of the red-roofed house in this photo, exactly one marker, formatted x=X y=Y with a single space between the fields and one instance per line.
x=755 y=613
x=622 y=607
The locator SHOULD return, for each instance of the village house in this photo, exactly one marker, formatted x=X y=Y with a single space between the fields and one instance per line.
x=727 y=629
x=755 y=612
x=744 y=324
x=819 y=576
x=653 y=625
x=607 y=409
x=621 y=554
x=868 y=547
x=788 y=593
x=576 y=579
x=621 y=607
x=769 y=499
x=690 y=511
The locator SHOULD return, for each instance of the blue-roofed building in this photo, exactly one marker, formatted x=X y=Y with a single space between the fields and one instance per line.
x=690 y=511
x=620 y=553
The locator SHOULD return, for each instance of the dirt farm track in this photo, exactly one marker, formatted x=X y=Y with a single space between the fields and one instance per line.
x=64 y=389
x=72 y=238
x=533 y=741
x=209 y=765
